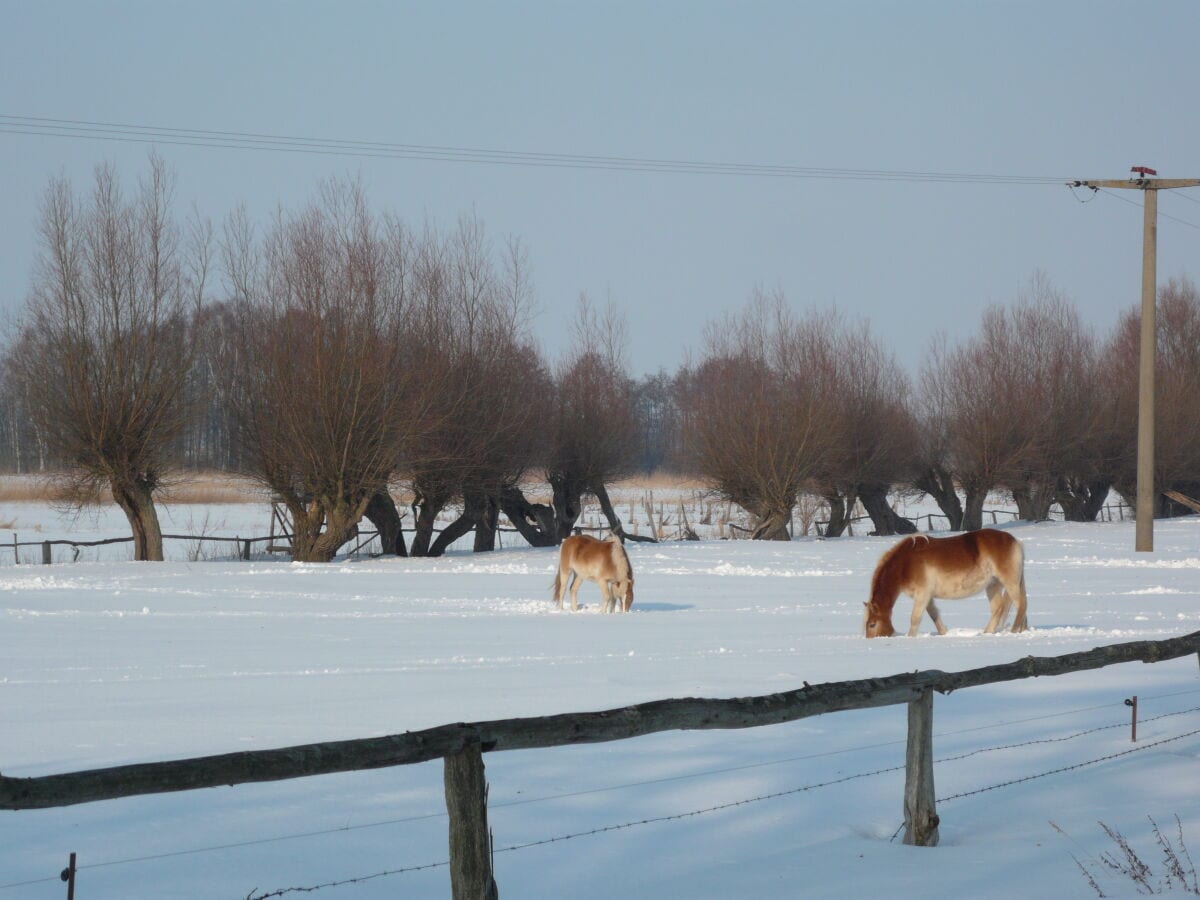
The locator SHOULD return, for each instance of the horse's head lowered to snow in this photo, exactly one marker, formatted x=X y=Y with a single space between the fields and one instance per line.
x=582 y=557
x=950 y=568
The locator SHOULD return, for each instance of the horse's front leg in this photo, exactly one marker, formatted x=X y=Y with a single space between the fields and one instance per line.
x=936 y=615
x=920 y=604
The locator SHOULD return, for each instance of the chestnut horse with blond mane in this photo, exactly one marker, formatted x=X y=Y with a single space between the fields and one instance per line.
x=604 y=562
x=950 y=568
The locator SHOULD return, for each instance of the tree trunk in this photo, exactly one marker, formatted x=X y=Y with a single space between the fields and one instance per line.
x=773 y=515
x=485 y=526
x=838 y=517
x=137 y=502
x=382 y=513
x=451 y=533
x=973 y=510
x=614 y=521
x=475 y=512
x=340 y=517
x=1033 y=501
x=886 y=520
x=938 y=484
x=427 y=507
x=535 y=521
x=307 y=519
x=773 y=527
x=1081 y=501
x=339 y=528
x=568 y=496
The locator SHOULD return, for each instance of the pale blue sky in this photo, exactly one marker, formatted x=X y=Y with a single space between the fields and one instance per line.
x=1078 y=89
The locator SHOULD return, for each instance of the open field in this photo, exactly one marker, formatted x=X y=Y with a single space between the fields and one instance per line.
x=109 y=662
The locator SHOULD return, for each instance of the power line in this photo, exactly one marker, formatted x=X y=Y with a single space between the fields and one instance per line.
x=124 y=132
x=1188 y=197
x=1161 y=215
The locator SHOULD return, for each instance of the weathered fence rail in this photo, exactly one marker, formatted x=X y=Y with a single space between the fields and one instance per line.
x=1107 y=513
x=461 y=745
x=361 y=539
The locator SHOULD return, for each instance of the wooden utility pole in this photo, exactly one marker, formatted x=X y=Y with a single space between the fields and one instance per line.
x=1144 y=539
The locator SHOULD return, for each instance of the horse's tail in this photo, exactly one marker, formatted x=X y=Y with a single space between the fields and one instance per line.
x=557 y=586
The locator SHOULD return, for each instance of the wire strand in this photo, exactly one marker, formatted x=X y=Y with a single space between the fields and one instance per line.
x=1161 y=214
x=648 y=782
x=127 y=132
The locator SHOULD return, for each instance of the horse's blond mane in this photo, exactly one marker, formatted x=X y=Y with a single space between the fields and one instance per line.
x=621 y=560
x=886 y=559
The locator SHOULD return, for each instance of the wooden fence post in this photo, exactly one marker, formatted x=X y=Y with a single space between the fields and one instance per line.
x=246 y=549
x=470 y=844
x=68 y=875
x=45 y=553
x=920 y=816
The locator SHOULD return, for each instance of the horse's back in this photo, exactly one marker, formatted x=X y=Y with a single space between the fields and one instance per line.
x=960 y=564
x=583 y=551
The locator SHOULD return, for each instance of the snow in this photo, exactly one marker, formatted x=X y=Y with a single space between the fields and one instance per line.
x=106 y=662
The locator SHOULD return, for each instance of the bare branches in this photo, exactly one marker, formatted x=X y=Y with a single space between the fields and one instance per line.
x=104 y=351
x=757 y=410
x=328 y=393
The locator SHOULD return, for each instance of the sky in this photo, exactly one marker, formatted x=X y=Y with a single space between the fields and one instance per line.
x=1045 y=92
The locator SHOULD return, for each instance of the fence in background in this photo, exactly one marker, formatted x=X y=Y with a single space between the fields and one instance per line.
x=461 y=746
x=1109 y=513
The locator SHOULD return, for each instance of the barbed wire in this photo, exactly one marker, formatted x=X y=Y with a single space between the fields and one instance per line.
x=358 y=880
x=648 y=782
x=1089 y=762
x=605 y=829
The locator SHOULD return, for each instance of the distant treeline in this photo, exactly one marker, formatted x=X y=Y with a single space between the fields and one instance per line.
x=333 y=351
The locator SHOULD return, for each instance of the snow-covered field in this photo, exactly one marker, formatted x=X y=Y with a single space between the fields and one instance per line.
x=110 y=662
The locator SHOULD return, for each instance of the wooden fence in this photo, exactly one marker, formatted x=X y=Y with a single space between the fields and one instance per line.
x=245 y=545
x=462 y=745
x=1109 y=513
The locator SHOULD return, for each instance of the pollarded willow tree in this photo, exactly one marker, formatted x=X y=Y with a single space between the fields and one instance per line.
x=329 y=387
x=758 y=411
x=877 y=431
x=1021 y=405
x=589 y=428
x=104 y=351
x=1177 y=407
x=487 y=387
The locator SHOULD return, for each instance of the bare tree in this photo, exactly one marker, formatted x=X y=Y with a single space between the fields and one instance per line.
x=975 y=389
x=1177 y=406
x=328 y=382
x=758 y=417
x=878 y=435
x=104 y=350
x=934 y=470
x=592 y=433
x=1055 y=402
x=1021 y=405
x=489 y=381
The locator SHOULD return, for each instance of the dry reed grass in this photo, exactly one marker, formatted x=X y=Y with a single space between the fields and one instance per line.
x=183 y=488
x=221 y=487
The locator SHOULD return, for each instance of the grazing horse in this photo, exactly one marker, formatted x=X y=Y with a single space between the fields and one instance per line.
x=950 y=568
x=603 y=562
